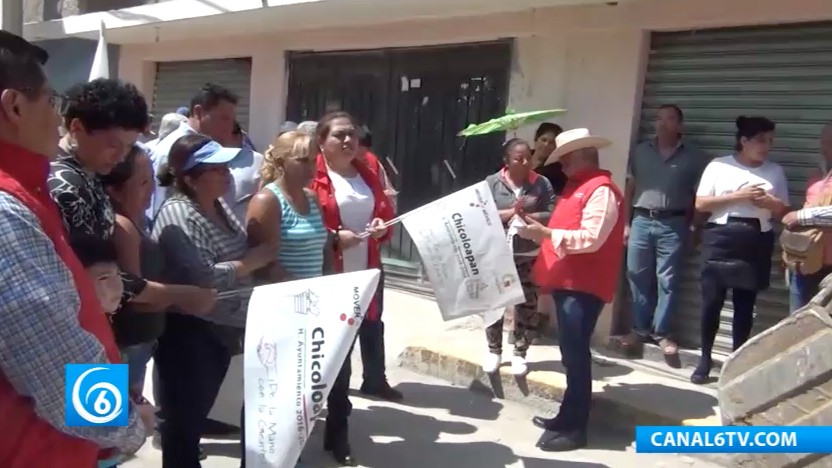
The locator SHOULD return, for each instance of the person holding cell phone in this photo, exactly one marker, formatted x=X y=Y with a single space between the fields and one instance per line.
x=518 y=192
x=743 y=193
x=355 y=211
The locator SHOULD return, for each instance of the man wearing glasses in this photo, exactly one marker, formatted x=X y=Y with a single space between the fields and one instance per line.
x=50 y=313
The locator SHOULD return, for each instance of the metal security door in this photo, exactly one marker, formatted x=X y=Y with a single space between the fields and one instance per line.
x=178 y=82
x=781 y=72
x=355 y=82
x=436 y=92
x=415 y=101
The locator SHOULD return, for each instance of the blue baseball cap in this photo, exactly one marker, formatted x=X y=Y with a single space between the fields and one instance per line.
x=211 y=153
x=183 y=111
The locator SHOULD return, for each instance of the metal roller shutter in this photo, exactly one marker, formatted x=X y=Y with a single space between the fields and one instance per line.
x=781 y=72
x=177 y=82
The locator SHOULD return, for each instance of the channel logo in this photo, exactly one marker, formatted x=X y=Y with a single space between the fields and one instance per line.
x=96 y=395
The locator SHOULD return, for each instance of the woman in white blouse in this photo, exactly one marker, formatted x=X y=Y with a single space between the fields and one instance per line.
x=743 y=193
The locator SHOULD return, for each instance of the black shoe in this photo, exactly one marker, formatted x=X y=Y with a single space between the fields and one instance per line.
x=344 y=459
x=384 y=392
x=550 y=424
x=701 y=374
x=340 y=448
x=341 y=452
x=552 y=441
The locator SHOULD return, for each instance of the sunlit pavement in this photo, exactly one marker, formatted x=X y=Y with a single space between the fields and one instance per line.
x=439 y=425
x=443 y=426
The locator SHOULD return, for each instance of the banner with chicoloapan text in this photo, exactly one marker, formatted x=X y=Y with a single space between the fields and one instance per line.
x=463 y=247
x=298 y=335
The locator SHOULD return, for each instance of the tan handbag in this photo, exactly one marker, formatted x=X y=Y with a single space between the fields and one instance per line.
x=803 y=246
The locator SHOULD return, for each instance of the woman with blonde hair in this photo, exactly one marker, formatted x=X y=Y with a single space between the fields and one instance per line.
x=287 y=214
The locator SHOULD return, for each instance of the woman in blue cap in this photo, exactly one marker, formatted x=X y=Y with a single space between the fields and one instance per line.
x=204 y=245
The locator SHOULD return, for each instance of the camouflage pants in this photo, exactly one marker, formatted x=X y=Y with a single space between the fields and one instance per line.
x=524 y=322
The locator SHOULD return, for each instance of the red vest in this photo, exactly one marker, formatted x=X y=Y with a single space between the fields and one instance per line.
x=595 y=273
x=27 y=441
x=322 y=185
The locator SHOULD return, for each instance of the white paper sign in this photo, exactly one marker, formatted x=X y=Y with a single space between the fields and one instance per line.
x=297 y=337
x=463 y=247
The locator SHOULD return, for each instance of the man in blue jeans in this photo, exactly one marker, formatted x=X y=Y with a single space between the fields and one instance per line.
x=577 y=249
x=662 y=176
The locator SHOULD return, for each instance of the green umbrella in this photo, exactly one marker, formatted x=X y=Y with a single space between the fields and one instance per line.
x=510 y=122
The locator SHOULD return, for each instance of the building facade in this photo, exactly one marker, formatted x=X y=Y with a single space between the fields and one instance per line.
x=70 y=60
x=419 y=71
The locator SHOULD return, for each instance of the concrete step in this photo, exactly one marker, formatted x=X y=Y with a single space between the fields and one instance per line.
x=624 y=396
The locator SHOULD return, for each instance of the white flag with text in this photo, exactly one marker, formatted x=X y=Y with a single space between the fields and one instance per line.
x=463 y=247
x=297 y=337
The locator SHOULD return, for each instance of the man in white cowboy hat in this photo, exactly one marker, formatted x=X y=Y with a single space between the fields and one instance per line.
x=580 y=255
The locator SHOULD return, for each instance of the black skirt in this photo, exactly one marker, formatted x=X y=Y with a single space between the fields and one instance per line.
x=738 y=254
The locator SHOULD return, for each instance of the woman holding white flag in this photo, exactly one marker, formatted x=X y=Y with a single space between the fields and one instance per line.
x=204 y=245
x=352 y=202
x=286 y=214
x=517 y=190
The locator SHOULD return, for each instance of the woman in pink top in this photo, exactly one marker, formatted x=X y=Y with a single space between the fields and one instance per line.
x=803 y=287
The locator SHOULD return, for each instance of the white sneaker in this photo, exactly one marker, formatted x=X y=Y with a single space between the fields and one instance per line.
x=491 y=363
x=518 y=365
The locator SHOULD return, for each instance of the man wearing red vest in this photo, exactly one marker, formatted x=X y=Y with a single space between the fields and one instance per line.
x=49 y=310
x=579 y=261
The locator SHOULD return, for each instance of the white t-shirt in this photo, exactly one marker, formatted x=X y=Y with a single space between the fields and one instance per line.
x=159 y=157
x=355 y=204
x=725 y=175
x=245 y=180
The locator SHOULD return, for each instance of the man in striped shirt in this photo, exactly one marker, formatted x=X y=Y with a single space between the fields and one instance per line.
x=817 y=216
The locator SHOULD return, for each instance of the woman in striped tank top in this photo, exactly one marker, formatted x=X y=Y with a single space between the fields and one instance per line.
x=284 y=212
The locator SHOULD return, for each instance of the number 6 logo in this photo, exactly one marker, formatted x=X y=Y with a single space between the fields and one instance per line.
x=97 y=394
x=101 y=405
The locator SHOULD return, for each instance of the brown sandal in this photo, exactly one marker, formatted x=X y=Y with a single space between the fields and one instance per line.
x=669 y=347
x=631 y=340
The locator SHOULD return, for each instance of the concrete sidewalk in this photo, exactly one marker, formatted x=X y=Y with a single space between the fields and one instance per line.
x=625 y=395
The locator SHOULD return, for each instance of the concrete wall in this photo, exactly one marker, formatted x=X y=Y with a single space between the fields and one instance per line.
x=70 y=60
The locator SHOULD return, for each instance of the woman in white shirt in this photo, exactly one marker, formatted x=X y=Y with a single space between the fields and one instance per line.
x=743 y=193
x=352 y=202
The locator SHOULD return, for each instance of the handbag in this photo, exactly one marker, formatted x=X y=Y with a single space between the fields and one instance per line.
x=803 y=246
